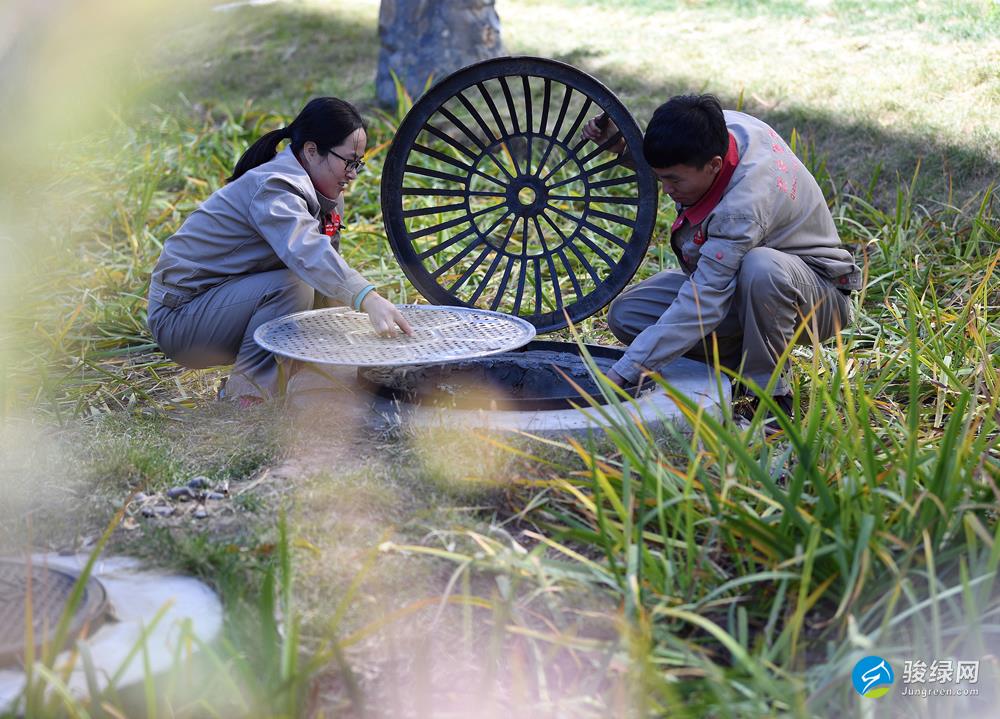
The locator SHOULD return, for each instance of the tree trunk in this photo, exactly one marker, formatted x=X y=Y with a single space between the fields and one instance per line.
x=424 y=39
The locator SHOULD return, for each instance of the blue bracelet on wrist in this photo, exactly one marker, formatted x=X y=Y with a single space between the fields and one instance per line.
x=360 y=297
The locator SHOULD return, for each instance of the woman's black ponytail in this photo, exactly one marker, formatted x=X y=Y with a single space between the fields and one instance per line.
x=327 y=121
x=259 y=152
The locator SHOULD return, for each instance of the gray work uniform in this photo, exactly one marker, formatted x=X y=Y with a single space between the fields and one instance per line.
x=759 y=252
x=252 y=252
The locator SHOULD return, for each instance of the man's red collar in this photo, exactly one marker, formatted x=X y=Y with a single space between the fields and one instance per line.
x=696 y=213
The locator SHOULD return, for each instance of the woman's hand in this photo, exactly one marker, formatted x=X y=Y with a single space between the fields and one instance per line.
x=384 y=315
x=599 y=130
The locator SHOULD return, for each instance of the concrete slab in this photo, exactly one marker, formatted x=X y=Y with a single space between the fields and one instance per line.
x=336 y=390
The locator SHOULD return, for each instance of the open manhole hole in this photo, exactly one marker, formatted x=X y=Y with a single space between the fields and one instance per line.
x=539 y=376
x=47 y=591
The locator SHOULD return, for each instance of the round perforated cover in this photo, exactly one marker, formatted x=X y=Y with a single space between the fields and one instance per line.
x=492 y=199
x=340 y=336
x=49 y=590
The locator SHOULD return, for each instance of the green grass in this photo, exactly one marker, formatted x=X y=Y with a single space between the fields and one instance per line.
x=869 y=89
x=712 y=575
x=964 y=19
x=59 y=484
x=875 y=508
x=756 y=574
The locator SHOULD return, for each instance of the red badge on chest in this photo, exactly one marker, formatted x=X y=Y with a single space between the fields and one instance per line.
x=332 y=225
x=699 y=237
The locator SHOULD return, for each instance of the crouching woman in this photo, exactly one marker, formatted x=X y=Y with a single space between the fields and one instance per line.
x=262 y=246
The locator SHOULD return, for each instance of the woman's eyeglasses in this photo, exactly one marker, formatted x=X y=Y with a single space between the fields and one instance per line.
x=349 y=165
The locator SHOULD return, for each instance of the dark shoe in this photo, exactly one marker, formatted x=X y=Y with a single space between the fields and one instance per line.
x=245 y=401
x=745 y=407
x=248 y=400
x=786 y=404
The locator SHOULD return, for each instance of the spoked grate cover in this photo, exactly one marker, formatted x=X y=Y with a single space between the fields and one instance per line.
x=49 y=590
x=339 y=336
x=492 y=200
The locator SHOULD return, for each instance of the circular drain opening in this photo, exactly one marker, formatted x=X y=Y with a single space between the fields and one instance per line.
x=539 y=376
x=49 y=591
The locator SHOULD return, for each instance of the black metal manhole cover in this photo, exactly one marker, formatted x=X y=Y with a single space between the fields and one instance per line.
x=492 y=200
x=49 y=590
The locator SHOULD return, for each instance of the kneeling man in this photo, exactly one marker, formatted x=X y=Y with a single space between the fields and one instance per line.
x=755 y=240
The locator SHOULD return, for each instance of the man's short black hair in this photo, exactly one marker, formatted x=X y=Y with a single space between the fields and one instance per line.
x=686 y=130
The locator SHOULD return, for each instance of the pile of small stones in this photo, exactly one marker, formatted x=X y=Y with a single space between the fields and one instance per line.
x=196 y=498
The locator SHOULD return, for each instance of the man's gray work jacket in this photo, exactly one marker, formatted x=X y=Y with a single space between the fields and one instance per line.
x=762 y=196
x=268 y=219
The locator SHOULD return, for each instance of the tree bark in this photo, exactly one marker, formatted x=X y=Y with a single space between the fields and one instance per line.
x=429 y=39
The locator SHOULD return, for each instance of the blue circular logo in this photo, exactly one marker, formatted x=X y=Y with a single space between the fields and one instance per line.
x=872 y=677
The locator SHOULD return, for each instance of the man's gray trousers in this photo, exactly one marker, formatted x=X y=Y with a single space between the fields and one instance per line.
x=774 y=291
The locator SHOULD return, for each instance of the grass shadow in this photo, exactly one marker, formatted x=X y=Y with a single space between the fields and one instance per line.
x=854 y=152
